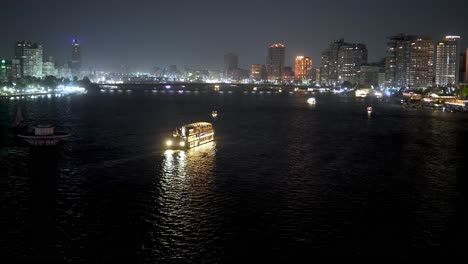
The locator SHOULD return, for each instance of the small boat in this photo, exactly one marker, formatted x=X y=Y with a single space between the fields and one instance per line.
x=311 y=101
x=19 y=117
x=43 y=135
x=369 y=110
x=191 y=135
x=19 y=125
x=214 y=114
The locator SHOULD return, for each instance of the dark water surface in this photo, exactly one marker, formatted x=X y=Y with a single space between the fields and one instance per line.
x=282 y=180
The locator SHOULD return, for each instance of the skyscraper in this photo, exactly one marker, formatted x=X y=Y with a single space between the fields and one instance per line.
x=398 y=59
x=329 y=59
x=302 y=67
x=30 y=58
x=275 y=61
x=421 y=65
x=341 y=62
x=75 y=63
x=350 y=58
x=409 y=62
x=230 y=65
x=447 y=61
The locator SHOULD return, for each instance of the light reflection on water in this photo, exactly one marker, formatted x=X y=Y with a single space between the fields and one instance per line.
x=182 y=213
x=285 y=179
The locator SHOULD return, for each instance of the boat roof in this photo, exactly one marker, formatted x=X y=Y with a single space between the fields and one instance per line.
x=197 y=124
x=43 y=126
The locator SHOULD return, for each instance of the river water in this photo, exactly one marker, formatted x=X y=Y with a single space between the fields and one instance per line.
x=282 y=180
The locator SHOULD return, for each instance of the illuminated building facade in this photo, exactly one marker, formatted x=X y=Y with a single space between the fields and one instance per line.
x=329 y=62
x=30 y=58
x=397 y=60
x=48 y=68
x=421 y=65
x=257 y=72
x=302 y=67
x=275 y=62
x=350 y=59
x=75 y=63
x=341 y=62
x=447 y=61
x=409 y=62
x=5 y=70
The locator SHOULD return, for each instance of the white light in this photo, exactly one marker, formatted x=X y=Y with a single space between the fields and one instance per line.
x=169 y=143
x=311 y=100
x=182 y=143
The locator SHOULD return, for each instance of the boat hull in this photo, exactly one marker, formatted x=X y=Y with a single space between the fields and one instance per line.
x=43 y=140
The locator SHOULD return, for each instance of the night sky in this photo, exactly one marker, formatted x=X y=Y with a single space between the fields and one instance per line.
x=197 y=33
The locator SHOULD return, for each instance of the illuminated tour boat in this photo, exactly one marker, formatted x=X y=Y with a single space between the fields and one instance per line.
x=43 y=135
x=191 y=135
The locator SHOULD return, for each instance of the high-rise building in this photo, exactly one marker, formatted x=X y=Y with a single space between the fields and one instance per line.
x=421 y=65
x=5 y=70
x=230 y=65
x=341 y=62
x=398 y=58
x=257 y=72
x=30 y=57
x=275 y=61
x=48 y=67
x=350 y=59
x=409 y=62
x=369 y=75
x=466 y=66
x=447 y=61
x=16 y=70
x=463 y=64
x=302 y=67
x=329 y=61
x=75 y=63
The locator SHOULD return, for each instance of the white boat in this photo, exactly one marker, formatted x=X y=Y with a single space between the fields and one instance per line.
x=191 y=135
x=369 y=110
x=43 y=135
x=214 y=114
x=311 y=101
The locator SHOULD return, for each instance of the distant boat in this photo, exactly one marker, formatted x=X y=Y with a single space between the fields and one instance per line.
x=311 y=101
x=43 y=135
x=369 y=110
x=214 y=114
x=18 y=118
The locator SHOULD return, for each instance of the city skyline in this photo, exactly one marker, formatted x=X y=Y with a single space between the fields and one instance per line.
x=200 y=34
